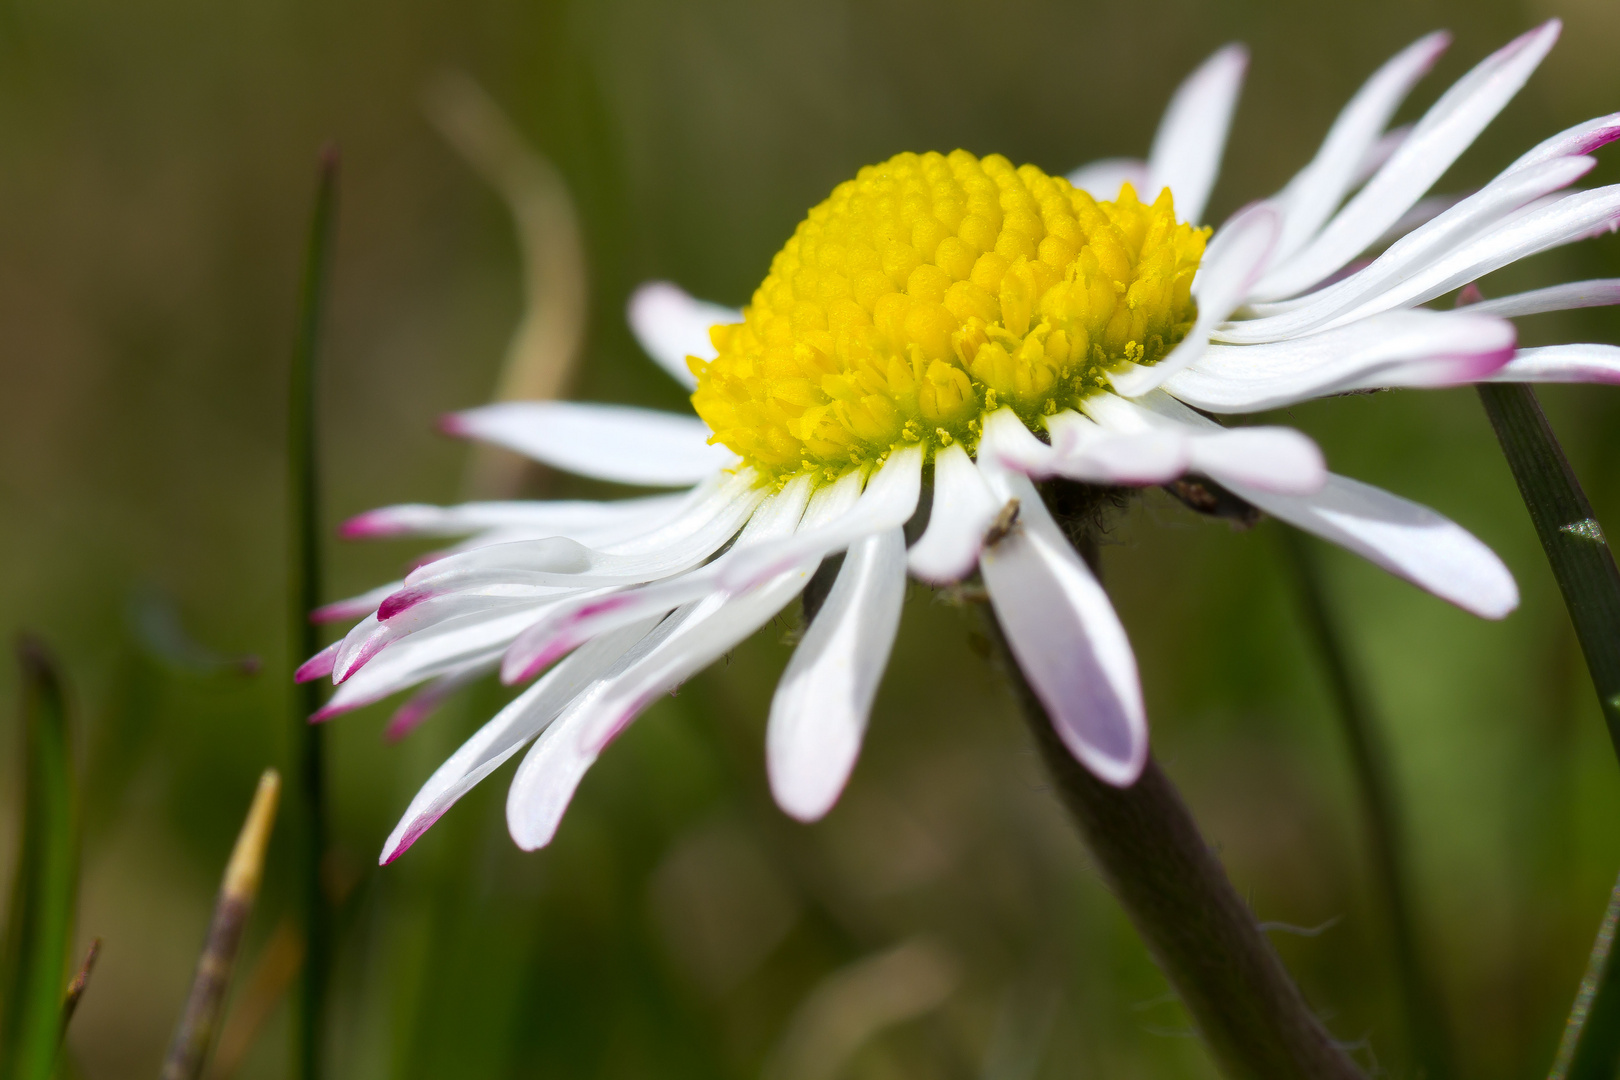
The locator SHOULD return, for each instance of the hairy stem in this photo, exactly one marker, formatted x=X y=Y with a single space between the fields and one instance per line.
x=1250 y=1013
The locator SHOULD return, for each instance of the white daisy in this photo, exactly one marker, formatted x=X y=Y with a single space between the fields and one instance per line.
x=992 y=327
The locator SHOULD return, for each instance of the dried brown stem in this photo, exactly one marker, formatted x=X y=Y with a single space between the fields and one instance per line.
x=188 y=1052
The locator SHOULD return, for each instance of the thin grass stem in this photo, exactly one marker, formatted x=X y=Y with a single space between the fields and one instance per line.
x=304 y=594
x=1425 y=1017
x=1584 y=568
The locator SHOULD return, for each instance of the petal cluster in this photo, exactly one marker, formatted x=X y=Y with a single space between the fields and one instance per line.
x=989 y=331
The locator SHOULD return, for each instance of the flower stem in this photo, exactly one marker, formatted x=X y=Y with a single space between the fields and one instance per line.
x=1425 y=1019
x=1250 y=1013
x=304 y=593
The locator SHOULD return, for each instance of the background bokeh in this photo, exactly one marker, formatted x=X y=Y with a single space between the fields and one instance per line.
x=156 y=166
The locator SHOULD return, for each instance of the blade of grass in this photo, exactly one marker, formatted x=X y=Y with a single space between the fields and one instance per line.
x=1425 y=1019
x=1591 y=1041
x=304 y=594
x=40 y=928
x=1570 y=535
x=1584 y=567
x=188 y=1051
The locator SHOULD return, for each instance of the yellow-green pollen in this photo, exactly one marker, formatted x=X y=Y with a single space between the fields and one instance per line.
x=933 y=289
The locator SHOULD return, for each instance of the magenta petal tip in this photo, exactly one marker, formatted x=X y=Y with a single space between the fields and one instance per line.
x=401 y=602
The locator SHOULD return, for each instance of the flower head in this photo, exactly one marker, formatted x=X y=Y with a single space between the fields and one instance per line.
x=988 y=327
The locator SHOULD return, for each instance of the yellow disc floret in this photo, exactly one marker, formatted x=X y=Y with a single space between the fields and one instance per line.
x=932 y=289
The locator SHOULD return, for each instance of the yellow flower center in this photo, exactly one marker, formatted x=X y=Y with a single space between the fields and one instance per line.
x=933 y=289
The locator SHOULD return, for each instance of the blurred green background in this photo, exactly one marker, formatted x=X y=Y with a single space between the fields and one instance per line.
x=156 y=166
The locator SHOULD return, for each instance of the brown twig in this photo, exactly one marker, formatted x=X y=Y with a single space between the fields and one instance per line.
x=75 y=990
x=188 y=1052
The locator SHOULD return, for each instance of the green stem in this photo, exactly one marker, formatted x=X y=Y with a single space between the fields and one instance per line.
x=1585 y=570
x=1425 y=1019
x=1252 y=1016
x=304 y=593
x=40 y=926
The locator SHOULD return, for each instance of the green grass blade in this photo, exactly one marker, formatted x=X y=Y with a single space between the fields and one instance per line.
x=1591 y=1042
x=1426 y=1026
x=1574 y=542
x=40 y=926
x=304 y=593
x=1584 y=568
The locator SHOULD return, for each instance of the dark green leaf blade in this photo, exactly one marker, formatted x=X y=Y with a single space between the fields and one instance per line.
x=40 y=926
x=1584 y=567
x=304 y=592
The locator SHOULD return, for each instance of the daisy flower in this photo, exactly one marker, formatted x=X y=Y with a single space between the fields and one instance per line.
x=954 y=319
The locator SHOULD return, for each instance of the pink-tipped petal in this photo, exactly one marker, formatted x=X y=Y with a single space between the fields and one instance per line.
x=1446 y=130
x=318 y=666
x=1562 y=364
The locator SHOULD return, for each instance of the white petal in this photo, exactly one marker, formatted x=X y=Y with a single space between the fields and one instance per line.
x=606 y=442
x=542 y=518
x=1014 y=445
x=565 y=625
x=1445 y=131
x=1187 y=148
x=1408 y=540
x=963 y=510
x=1399 y=348
x=671 y=326
x=1583 y=138
x=685 y=643
x=1103 y=179
x=1098 y=454
x=1562 y=364
x=1314 y=193
x=1567 y=220
x=503 y=736
x=1066 y=637
x=706 y=524
x=1274 y=458
x=473 y=639
x=1235 y=257
x=1575 y=294
x=888 y=501
x=1426 y=254
x=819 y=712
x=1380 y=151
